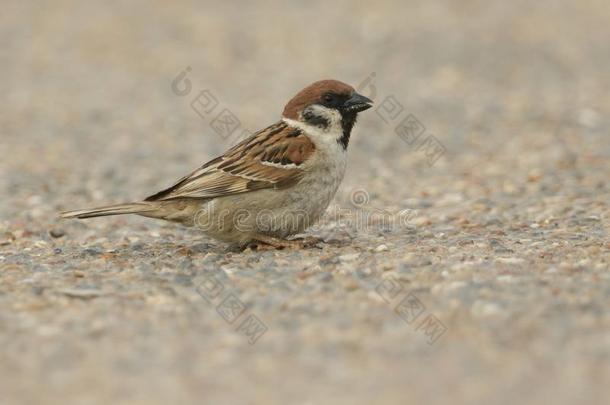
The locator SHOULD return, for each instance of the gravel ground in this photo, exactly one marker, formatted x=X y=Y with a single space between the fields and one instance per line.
x=482 y=276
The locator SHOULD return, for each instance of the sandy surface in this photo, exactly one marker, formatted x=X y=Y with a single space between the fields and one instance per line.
x=487 y=281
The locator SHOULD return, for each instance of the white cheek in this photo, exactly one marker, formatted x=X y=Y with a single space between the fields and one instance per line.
x=332 y=116
x=325 y=139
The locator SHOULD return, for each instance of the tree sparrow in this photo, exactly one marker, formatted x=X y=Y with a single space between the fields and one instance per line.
x=273 y=184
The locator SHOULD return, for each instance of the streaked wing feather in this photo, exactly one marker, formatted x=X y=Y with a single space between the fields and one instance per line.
x=271 y=158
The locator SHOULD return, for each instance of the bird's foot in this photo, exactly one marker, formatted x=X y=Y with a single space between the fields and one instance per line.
x=264 y=242
x=309 y=241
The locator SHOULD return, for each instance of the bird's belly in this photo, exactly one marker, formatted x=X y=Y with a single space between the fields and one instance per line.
x=278 y=213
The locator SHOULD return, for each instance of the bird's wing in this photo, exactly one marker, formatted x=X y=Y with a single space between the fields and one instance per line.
x=271 y=158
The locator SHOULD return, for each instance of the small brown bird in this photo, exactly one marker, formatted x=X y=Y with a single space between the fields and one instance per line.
x=270 y=186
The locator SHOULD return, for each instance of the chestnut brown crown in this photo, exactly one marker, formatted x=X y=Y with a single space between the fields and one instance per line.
x=316 y=93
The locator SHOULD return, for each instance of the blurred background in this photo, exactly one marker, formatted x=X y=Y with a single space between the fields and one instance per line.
x=509 y=247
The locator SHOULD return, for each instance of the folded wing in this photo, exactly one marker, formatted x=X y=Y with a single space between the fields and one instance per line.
x=271 y=158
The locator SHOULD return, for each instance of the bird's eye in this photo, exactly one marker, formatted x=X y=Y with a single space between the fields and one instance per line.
x=328 y=98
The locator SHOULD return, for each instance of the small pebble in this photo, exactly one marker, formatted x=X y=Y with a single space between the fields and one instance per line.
x=551 y=270
x=57 y=233
x=349 y=257
x=505 y=278
x=510 y=260
x=485 y=309
x=83 y=293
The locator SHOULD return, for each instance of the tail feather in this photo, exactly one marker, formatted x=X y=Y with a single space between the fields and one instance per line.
x=119 y=209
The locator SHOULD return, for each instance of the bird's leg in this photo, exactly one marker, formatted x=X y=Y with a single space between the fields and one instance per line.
x=277 y=243
x=308 y=241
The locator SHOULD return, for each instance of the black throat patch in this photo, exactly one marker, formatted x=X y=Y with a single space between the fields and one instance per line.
x=347 y=123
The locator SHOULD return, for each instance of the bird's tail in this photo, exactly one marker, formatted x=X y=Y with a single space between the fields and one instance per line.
x=119 y=209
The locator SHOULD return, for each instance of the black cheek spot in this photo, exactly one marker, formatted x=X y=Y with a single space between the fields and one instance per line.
x=316 y=120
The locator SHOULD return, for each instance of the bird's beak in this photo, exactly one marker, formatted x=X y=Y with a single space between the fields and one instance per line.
x=357 y=102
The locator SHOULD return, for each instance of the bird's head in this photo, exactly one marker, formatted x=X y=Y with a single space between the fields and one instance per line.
x=330 y=106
